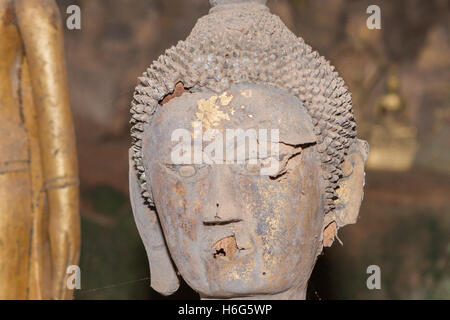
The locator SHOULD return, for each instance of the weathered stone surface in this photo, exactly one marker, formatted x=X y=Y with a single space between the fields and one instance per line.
x=229 y=233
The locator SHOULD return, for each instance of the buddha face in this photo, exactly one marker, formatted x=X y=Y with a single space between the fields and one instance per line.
x=232 y=228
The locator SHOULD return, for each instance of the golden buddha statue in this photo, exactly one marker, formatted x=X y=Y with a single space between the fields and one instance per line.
x=392 y=139
x=39 y=224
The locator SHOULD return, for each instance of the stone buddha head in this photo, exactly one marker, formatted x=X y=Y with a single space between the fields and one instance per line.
x=245 y=160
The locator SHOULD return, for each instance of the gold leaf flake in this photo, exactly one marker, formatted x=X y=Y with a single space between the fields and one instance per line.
x=209 y=114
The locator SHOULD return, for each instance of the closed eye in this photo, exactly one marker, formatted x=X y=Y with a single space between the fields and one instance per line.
x=183 y=170
x=253 y=166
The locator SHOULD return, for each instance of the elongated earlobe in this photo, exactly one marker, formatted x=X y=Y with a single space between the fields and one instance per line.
x=162 y=272
x=350 y=191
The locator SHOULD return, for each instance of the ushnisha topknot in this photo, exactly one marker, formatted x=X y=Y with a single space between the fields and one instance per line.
x=242 y=42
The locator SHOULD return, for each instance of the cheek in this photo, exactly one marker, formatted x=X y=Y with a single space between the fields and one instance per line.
x=286 y=216
x=179 y=214
x=178 y=207
x=310 y=208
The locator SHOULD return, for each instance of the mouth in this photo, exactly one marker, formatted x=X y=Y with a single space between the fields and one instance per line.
x=228 y=249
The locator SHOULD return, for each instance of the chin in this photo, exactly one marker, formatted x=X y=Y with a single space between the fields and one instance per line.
x=241 y=288
x=242 y=277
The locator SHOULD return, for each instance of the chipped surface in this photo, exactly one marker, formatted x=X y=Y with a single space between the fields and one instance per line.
x=275 y=80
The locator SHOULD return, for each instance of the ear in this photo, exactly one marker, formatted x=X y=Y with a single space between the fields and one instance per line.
x=162 y=272
x=350 y=191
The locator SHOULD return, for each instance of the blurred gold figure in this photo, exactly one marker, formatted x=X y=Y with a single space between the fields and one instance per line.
x=393 y=140
x=39 y=218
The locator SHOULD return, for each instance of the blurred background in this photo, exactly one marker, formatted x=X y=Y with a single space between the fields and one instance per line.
x=400 y=80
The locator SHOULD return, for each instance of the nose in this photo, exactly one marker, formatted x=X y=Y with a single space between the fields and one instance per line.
x=222 y=206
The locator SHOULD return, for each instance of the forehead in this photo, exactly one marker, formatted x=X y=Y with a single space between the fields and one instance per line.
x=241 y=107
